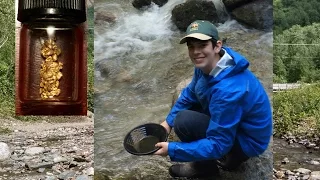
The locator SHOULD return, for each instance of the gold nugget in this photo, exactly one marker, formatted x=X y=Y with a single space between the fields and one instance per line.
x=50 y=70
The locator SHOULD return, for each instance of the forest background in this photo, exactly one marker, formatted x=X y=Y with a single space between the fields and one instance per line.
x=297 y=60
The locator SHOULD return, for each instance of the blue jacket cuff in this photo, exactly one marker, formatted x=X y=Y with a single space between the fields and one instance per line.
x=171 y=148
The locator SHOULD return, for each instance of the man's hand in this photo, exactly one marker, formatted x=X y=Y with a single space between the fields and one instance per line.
x=163 y=151
x=166 y=126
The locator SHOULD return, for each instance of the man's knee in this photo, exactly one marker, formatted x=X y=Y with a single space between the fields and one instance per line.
x=180 y=120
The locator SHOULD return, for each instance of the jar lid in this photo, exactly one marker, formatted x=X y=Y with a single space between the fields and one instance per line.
x=52 y=10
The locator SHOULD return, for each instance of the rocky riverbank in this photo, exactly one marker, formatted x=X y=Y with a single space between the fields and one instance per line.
x=299 y=160
x=46 y=150
x=300 y=173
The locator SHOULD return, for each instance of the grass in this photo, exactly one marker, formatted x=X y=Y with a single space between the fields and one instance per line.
x=4 y=130
x=7 y=58
x=297 y=111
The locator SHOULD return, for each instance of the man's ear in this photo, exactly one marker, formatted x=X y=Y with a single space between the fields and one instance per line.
x=218 y=46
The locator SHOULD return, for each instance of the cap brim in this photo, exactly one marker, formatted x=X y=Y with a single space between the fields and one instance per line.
x=195 y=35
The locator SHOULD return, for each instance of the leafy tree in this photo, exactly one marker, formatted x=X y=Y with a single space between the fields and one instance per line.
x=297 y=54
x=292 y=12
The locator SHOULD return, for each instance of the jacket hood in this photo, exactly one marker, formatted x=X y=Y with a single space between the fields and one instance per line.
x=241 y=64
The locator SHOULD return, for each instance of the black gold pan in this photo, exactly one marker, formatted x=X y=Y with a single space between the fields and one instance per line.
x=141 y=140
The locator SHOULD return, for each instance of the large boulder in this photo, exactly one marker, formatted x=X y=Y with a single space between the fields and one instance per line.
x=184 y=14
x=232 y=4
x=160 y=2
x=257 y=14
x=260 y=167
x=143 y=3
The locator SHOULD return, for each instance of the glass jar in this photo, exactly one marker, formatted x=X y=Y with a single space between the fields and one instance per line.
x=51 y=66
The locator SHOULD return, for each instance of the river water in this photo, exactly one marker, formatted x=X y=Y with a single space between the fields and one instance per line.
x=139 y=63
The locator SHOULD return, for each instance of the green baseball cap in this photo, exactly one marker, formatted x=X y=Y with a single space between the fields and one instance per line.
x=202 y=30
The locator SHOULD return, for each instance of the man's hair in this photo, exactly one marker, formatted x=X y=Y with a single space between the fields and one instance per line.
x=214 y=43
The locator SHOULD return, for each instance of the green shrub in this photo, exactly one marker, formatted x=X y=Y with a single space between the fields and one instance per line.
x=297 y=111
x=7 y=57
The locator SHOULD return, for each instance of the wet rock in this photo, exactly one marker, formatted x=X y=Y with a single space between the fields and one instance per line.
x=106 y=16
x=66 y=175
x=186 y=13
x=124 y=76
x=141 y=3
x=34 y=150
x=4 y=151
x=302 y=171
x=138 y=4
x=160 y=2
x=257 y=14
x=315 y=175
x=232 y=4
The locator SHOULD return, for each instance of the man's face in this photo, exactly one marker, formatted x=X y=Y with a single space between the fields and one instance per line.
x=203 y=54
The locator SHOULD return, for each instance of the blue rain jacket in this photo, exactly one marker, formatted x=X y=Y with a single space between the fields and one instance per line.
x=239 y=109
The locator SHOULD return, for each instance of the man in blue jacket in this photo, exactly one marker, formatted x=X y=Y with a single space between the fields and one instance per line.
x=223 y=117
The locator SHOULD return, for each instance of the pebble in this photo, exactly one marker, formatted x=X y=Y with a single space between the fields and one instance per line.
x=66 y=175
x=59 y=159
x=314 y=162
x=302 y=171
x=34 y=150
x=41 y=170
x=4 y=151
x=90 y=171
x=50 y=178
x=280 y=174
x=285 y=161
x=288 y=172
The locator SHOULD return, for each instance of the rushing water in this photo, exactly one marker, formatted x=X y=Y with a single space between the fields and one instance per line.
x=139 y=63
